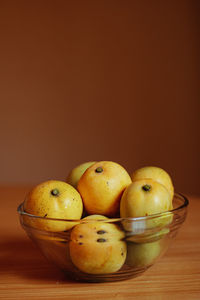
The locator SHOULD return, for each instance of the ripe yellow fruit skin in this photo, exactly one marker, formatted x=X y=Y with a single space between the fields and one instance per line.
x=101 y=191
x=97 y=247
x=76 y=173
x=136 y=202
x=67 y=204
x=156 y=174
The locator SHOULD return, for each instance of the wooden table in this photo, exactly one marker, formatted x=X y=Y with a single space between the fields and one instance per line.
x=26 y=274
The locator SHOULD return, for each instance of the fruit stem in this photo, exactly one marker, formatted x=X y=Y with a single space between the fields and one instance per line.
x=146 y=187
x=99 y=170
x=55 y=192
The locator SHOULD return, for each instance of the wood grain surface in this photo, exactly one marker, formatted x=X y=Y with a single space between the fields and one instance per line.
x=26 y=274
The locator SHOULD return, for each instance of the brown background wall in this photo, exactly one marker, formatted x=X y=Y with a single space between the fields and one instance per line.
x=99 y=80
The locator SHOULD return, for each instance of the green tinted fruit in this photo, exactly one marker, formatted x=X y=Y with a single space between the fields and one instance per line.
x=142 y=255
x=76 y=173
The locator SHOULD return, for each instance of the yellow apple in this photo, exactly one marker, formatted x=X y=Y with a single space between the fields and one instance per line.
x=96 y=247
x=53 y=199
x=76 y=173
x=101 y=187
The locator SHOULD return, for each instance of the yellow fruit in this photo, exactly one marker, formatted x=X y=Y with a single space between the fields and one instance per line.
x=142 y=255
x=157 y=174
x=101 y=187
x=76 y=173
x=145 y=198
x=96 y=247
x=53 y=199
x=94 y=217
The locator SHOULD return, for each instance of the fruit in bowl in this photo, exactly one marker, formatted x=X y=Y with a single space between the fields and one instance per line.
x=143 y=198
x=146 y=197
x=142 y=255
x=101 y=187
x=53 y=199
x=97 y=247
x=76 y=173
x=157 y=174
x=127 y=224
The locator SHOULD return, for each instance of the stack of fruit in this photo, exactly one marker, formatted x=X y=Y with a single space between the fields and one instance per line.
x=93 y=196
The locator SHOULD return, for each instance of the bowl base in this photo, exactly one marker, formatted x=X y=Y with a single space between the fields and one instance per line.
x=95 y=278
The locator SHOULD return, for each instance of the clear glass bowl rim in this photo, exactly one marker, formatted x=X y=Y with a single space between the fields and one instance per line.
x=184 y=199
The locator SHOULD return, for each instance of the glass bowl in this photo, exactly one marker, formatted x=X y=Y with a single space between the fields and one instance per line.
x=101 y=250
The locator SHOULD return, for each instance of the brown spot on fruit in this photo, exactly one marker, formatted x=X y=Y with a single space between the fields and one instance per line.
x=101 y=231
x=101 y=240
